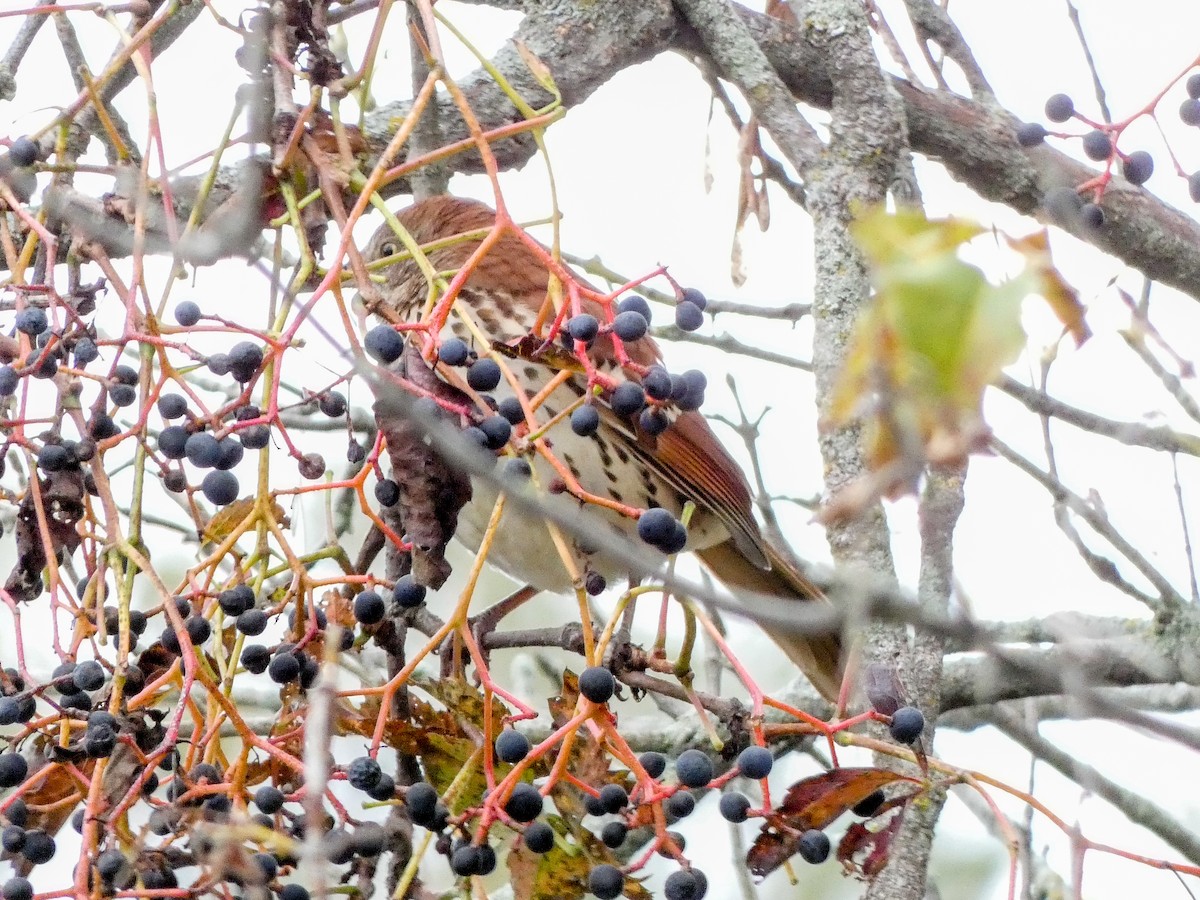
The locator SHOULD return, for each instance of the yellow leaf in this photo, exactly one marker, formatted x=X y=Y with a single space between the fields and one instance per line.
x=935 y=334
x=1063 y=299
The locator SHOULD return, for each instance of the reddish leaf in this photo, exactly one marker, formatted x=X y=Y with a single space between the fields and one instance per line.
x=814 y=803
x=864 y=851
x=770 y=851
x=817 y=801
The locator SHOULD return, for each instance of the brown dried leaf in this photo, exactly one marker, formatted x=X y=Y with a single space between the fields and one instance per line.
x=536 y=67
x=61 y=495
x=813 y=803
x=562 y=707
x=536 y=349
x=1063 y=299
x=221 y=525
x=432 y=492
x=864 y=851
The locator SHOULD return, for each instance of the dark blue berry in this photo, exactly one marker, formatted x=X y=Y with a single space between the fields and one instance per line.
x=627 y=399
x=219 y=364
x=654 y=763
x=688 y=316
x=198 y=628
x=172 y=406
x=236 y=600
x=814 y=846
x=613 y=798
x=220 y=487
x=55 y=458
x=32 y=320
x=539 y=838
x=613 y=834
x=369 y=608
x=252 y=622
x=630 y=325
x=13 y=769
x=680 y=885
x=583 y=327
x=694 y=768
x=187 y=313
x=284 y=668
x=656 y=526
x=9 y=379
x=733 y=806
x=524 y=803
x=657 y=383
x=122 y=395
x=497 y=429
x=333 y=404
x=363 y=773
x=1139 y=166
x=484 y=374
x=23 y=151
x=385 y=788
x=464 y=861
x=269 y=799
x=203 y=450
x=585 y=421
x=688 y=390
x=88 y=676
x=676 y=542
x=1189 y=111
x=1097 y=145
x=680 y=805
x=597 y=684
x=85 y=351
x=653 y=421
x=387 y=492
x=1059 y=108
x=231 y=453
x=755 y=762
x=907 y=724
x=636 y=303
x=454 y=352
x=606 y=881
x=245 y=357
x=421 y=799
x=384 y=344
x=407 y=593
x=511 y=746
x=255 y=437
x=39 y=847
x=510 y=408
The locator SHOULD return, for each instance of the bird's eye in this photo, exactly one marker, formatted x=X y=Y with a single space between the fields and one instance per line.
x=388 y=248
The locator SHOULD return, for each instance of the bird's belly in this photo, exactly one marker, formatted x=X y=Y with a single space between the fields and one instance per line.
x=603 y=465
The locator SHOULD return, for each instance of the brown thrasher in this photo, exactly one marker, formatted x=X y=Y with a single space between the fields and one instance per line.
x=504 y=295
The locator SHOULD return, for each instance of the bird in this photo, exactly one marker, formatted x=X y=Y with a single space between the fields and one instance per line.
x=504 y=299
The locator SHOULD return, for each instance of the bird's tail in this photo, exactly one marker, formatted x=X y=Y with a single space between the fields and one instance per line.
x=819 y=656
